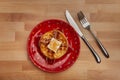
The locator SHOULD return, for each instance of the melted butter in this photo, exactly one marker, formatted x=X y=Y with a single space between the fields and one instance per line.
x=54 y=45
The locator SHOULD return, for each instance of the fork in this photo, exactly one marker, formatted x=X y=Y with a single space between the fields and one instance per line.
x=87 y=25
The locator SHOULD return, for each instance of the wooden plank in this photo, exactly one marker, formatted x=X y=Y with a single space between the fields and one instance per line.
x=7 y=36
x=102 y=2
x=12 y=26
x=10 y=66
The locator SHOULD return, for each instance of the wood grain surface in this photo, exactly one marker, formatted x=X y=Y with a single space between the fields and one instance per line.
x=18 y=18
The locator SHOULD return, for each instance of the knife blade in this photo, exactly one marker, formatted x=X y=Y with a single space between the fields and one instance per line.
x=77 y=29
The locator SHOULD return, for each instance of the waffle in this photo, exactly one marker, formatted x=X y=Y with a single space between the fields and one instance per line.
x=53 y=44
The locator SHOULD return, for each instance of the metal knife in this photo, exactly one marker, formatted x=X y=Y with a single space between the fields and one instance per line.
x=75 y=26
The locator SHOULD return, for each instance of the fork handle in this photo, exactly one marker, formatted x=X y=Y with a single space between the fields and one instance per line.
x=96 y=56
x=100 y=45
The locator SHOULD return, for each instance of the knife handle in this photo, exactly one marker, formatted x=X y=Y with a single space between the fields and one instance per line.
x=96 y=56
x=100 y=45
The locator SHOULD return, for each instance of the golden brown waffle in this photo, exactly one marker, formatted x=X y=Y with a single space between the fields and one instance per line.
x=45 y=41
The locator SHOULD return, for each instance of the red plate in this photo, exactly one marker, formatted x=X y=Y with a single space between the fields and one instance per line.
x=43 y=62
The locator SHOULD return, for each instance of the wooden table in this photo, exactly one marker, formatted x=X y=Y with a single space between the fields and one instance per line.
x=18 y=17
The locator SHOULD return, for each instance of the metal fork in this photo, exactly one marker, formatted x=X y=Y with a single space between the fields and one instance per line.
x=86 y=25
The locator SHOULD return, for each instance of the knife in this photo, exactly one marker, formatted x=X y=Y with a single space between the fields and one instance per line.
x=75 y=26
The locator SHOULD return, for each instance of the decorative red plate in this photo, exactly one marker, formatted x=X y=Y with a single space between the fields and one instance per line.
x=43 y=62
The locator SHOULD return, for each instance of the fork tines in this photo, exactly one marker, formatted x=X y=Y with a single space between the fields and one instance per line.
x=80 y=15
